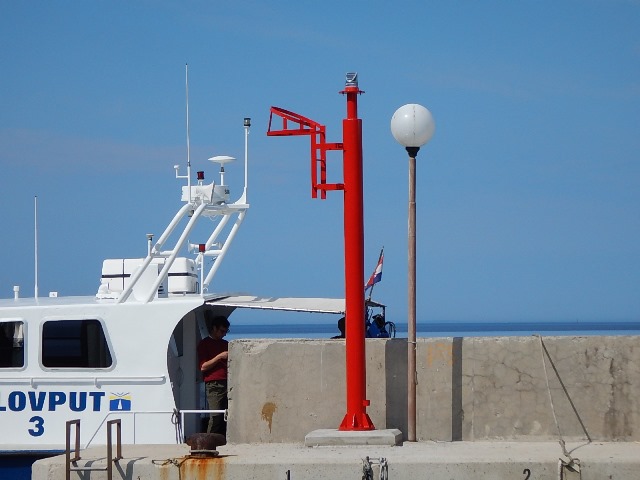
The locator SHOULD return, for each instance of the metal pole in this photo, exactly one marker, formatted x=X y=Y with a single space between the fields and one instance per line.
x=411 y=287
x=356 y=417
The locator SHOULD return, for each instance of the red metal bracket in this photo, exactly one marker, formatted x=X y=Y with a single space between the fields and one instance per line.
x=319 y=146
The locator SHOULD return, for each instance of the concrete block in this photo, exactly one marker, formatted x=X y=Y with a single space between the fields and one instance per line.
x=334 y=437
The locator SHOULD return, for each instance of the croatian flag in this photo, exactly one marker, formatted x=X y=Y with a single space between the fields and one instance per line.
x=376 y=276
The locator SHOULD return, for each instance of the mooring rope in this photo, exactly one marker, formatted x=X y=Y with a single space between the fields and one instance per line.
x=175 y=419
x=573 y=462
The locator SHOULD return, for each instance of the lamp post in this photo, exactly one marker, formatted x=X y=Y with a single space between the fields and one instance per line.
x=412 y=126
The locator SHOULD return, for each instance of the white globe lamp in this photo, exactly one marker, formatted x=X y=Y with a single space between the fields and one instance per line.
x=412 y=125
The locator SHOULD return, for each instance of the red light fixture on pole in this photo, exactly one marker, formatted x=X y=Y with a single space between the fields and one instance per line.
x=356 y=417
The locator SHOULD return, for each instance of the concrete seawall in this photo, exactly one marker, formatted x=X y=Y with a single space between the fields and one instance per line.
x=469 y=389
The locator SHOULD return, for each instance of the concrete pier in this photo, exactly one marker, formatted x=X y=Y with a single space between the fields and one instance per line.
x=421 y=460
x=498 y=408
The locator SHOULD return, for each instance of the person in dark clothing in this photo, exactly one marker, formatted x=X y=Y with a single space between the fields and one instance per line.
x=341 y=328
x=212 y=359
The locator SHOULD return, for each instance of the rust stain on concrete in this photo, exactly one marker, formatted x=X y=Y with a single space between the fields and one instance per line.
x=165 y=471
x=203 y=469
x=440 y=353
x=268 y=409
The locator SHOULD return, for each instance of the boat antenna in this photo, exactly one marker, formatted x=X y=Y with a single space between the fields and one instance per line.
x=35 y=243
x=186 y=76
x=247 y=126
x=177 y=167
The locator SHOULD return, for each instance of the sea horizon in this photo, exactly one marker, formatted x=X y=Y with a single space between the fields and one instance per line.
x=475 y=328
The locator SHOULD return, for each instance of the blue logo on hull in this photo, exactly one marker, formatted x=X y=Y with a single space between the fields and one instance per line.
x=120 y=402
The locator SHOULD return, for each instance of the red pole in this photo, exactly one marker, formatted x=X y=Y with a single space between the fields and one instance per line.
x=356 y=417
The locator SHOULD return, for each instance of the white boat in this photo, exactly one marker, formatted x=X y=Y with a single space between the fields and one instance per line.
x=129 y=351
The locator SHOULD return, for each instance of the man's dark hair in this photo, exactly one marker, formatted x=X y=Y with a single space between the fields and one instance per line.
x=217 y=321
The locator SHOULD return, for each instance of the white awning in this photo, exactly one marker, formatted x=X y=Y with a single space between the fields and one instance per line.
x=292 y=304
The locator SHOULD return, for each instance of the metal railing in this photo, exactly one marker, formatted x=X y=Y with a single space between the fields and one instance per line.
x=76 y=449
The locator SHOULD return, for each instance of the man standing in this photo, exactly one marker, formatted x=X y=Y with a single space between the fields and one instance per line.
x=212 y=358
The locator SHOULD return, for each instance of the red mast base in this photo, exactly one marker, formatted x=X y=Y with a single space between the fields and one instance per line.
x=356 y=421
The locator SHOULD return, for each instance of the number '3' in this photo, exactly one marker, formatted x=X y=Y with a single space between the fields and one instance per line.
x=38 y=426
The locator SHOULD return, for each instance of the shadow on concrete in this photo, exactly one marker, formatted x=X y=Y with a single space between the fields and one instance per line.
x=457 y=414
x=395 y=354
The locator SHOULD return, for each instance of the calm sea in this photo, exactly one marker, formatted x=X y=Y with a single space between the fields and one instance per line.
x=446 y=329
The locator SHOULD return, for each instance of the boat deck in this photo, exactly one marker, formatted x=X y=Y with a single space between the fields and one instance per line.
x=419 y=460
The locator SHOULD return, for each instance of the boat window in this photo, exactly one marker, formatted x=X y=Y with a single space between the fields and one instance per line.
x=11 y=344
x=74 y=344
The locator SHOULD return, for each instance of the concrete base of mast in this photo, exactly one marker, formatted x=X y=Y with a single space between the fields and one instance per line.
x=333 y=437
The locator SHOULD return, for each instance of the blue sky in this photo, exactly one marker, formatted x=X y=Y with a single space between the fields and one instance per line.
x=528 y=195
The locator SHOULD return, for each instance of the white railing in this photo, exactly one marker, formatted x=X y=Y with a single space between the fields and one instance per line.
x=177 y=422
